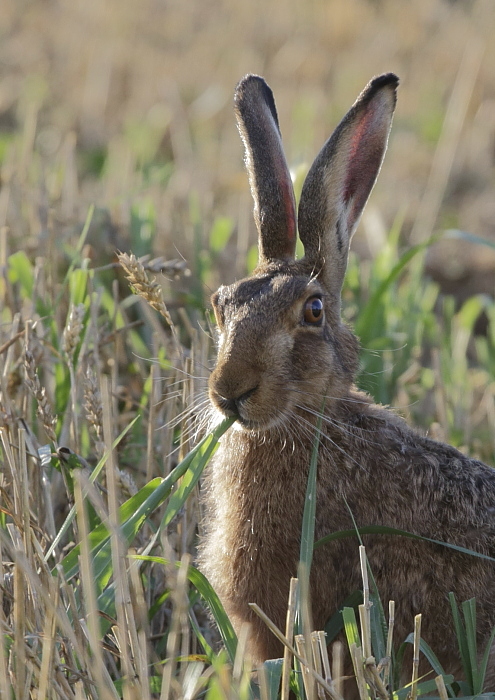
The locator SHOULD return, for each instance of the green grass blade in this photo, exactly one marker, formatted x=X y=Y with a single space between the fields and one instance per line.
x=114 y=311
x=486 y=656
x=206 y=591
x=425 y=688
x=77 y=257
x=351 y=627
x=100 y=536
x=399 y=661
x=273 y=674
x=21 y=270
x=94 y=475
x=366 y=318
x=383 y=530
x=307 y=544
x=140 y=506
x=208 y=651
x=78 y=282
x=196 y=460
x=85 y=230
x=336 y=623
x=308 y=523
x=471 y=237
x=202 y=452
x=220 y=233
x=469 y=612
x=461 y=641
x=378 y=623
x=188 y=482
x=434 y=663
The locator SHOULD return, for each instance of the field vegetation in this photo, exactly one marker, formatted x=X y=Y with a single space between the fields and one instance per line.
x=117 y=135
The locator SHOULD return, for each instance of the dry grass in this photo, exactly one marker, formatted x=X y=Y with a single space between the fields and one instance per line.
x=116 y=133
x=133 y=84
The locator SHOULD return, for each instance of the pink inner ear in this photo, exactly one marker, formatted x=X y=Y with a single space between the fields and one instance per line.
x=365 y=155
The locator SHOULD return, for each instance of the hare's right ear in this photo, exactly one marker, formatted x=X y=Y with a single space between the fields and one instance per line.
x=341 y=179
x=271 y=186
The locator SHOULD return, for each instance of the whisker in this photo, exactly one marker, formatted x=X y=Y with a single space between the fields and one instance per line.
x=303 y=430
x=345 y=399
x=197 y=426
x=188 y=412
x=327 y=437
x=182 y=381
x=374 y=351
x=344 y=427
x=188 y=374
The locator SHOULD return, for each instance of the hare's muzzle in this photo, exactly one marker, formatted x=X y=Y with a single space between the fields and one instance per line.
x=232 y=389
x=232 y=406
x=255 y=398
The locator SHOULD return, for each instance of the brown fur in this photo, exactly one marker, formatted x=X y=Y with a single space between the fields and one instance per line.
x=274 y=372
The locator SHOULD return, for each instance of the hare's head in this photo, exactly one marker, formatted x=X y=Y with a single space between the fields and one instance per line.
x=282 y=345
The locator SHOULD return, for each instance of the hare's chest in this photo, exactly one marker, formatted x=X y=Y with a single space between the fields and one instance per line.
x=258 y=510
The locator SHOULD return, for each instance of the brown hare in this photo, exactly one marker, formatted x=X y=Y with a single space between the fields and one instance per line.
x=284 y=356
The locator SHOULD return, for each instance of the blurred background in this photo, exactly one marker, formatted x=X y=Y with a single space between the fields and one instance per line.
x=117 y=133
x=128 y=105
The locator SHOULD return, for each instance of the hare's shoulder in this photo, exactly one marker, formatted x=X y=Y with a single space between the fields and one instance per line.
x=431 y=469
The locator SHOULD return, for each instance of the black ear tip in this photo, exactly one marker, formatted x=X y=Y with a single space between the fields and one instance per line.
x=382 y=81
x=248 y=85
x=379 y=84
x=252 y=91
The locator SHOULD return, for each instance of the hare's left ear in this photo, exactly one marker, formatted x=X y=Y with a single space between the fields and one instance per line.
x=341 y=179
x=271 y=185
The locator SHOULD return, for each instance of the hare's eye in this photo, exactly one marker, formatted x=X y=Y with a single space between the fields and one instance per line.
x=313 y=311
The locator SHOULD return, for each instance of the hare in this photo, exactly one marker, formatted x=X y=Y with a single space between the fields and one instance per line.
x=284 y=358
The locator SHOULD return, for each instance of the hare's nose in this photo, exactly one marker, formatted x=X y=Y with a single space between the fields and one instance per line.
x=232 y=406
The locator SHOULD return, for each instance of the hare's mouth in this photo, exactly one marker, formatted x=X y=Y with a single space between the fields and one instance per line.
x=250 y=423
x=256 y=426
x=250 y=414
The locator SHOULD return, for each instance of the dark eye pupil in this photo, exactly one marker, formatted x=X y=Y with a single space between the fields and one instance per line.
x=313 y=310
x=317 y=308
